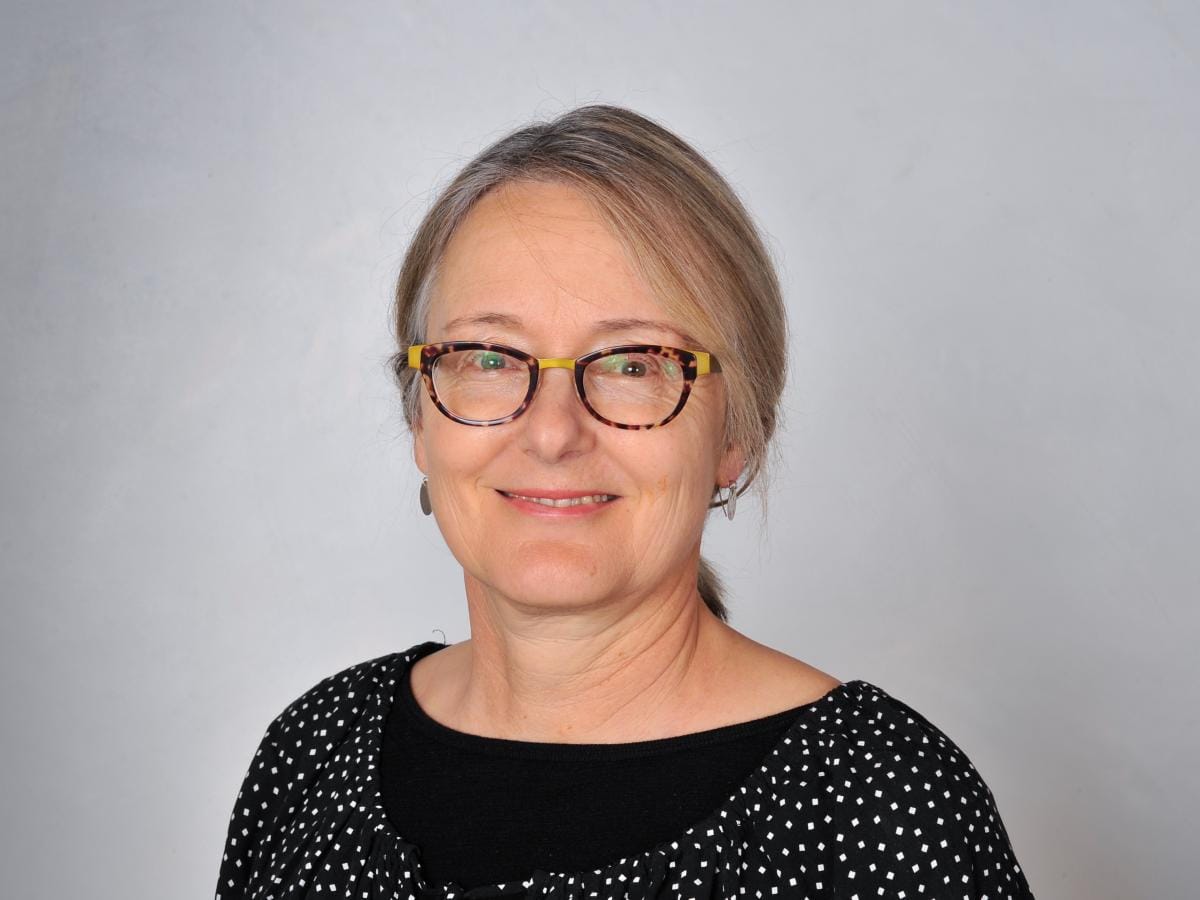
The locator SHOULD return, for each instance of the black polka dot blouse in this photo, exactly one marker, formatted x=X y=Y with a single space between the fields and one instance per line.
x=861 y=797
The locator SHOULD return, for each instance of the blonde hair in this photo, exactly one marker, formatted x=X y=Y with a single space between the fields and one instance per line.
x=683 y=227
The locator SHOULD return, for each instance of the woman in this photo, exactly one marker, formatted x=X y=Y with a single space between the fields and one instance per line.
x=592 y=349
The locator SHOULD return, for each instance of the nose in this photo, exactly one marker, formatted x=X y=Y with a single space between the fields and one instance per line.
x=555 y=424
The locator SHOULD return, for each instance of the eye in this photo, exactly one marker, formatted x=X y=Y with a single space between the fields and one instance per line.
x=638 y=366
x=623 y=364
x=628 y=365
x=490 y=359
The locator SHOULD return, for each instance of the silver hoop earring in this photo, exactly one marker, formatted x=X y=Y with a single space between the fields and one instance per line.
x=729 y=501
x=426 y=506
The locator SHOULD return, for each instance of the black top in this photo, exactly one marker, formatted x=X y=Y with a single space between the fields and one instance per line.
x=858 y=796
x=525 y=797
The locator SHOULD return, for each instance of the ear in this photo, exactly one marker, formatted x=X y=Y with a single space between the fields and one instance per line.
x=733 y=461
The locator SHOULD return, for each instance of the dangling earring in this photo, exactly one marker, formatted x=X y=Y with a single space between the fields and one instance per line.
x=426 y=506
x=730 y=500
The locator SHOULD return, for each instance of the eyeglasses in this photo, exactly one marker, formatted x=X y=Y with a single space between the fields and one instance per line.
x=634 y=386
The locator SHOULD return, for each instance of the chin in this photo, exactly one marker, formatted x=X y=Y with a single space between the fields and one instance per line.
x=553 y=574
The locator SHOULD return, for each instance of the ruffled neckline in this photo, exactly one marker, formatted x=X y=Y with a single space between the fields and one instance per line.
x=707 y=849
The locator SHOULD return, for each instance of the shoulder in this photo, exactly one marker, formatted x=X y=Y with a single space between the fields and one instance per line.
x=339 y=691
x=339 y=703
x=316 y=746
x=903 y=805
x=888 y=750
x=333 y=718
x=322 y=717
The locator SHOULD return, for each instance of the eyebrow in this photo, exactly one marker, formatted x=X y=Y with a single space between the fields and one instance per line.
x=504 y=321
x=603 y=326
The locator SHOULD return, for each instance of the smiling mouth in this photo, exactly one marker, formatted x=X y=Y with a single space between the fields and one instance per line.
x=564 y=501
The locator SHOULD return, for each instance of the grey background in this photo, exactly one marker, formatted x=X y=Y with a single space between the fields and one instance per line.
x=986 y=220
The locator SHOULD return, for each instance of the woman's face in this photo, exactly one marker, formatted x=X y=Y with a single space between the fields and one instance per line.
x=533 y=267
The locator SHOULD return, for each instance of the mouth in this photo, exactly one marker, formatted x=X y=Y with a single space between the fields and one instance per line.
x=561 y=502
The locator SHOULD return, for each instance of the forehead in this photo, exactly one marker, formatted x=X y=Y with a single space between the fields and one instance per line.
x=540 y=252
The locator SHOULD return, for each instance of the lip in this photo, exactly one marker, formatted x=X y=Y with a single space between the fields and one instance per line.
x=555 y=494
x=556 y=512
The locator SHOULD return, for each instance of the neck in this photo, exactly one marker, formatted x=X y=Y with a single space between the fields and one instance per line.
x=638 y=671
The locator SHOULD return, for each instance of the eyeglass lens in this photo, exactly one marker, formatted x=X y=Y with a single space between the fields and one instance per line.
x=627 y=388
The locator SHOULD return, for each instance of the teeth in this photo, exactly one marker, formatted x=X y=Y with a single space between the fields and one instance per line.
x=569 y=501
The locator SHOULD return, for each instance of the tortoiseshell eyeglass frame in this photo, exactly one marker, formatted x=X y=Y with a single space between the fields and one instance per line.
x=693 y=363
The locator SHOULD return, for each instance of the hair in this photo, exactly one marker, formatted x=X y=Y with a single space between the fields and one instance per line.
x=684 y=229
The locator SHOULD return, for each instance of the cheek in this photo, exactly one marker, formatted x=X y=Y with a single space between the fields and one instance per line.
x=464 y=522
x=450 y=447
x=454 y=457
x=674 y=479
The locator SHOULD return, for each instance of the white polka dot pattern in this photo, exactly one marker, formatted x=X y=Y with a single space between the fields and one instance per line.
x=861 y=798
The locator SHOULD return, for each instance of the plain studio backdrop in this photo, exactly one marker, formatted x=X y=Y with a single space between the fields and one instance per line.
x=985 y=219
